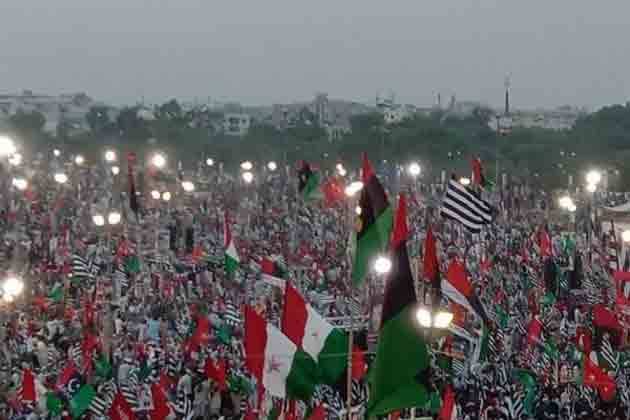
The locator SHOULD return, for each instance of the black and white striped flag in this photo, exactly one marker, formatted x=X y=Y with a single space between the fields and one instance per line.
x=466 y=207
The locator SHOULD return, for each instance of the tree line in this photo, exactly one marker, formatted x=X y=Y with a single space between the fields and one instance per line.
x=437 y=141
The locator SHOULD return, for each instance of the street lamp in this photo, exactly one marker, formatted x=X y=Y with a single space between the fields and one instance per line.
x=155 y=194
x=210 y=162
x=272 y=166
x=15 y=159
x=247 y=165
x=358 y=210
x=465 y=181
x=110 y=156
x=188 y=186
x=113 y=218
x=440 y=320
x=98 y=220
x=115 y=170
x=19 y=183
x=158 y=160
x=565 y=202
x=57 y=152
x=248 y=177
x=79 y=160
x=61 y=178
x=591 y=188
x=13 y=286
x=625 y=236
x=166 y=196
x=382 y=264
x=414 y=169
x=7 y=146
x=593 y=177
x=572 y=208
x=353 y=188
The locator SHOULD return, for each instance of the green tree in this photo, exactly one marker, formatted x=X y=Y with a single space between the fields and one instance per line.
x=98 y=119
x=27 y=122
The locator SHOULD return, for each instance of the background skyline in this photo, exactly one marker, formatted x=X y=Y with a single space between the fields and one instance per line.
x=558 y=53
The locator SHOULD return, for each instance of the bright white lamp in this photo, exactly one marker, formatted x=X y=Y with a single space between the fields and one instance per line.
x=442 y=319
x=13 y=286
x=110 y=156
x=625 y=235
x=61 y=178
x=272 y=166
x=98 y=220
x=414 y=169
x=210 y=162
x=188 y=186
x=79 y=160
x=113 y=218
x=158 y=160
x=15 y=159
x=382 y=265
x=593 y=177
x=423 y=316
x=353 y=188
x=7 y=146
x=20 y=183
x=166 y=196
x=155 y=194
x=465 y=181
x=248 y=177
x=247 y=165
x=115 y=170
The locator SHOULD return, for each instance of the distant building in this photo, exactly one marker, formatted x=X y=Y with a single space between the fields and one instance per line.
x=68 y=108
x=562 y=118
x=236 y=124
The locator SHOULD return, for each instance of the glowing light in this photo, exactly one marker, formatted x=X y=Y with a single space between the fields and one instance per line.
x=19 y=183
x=464 y=181
x=248 y=177
x=15 y=159
x=115 y=170
x=272 y=166
x=166 y=196
x=61 y=178
x=353 y=188
x=98 y=220
x=414 y=169
x=591 y=188
x=7 y=146
x=565 y=202
x=423 y=316
x=113 y=218
x=382 y=264
x=625 y=235
x=442 y=319
x=13 y=286
x=341 y=170
x=188 y=186
x=210 y=162
x=358 y=210
x=247 y=165
x=155 y=194
x=158 y=160
x=57 y=152
x=572 y=208
x=593 y=177
x=79 y=160
x=110 y=156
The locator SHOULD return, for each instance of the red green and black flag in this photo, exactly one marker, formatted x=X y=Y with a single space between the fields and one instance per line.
x=374 y=223
x=308 y=183
x=398 y=377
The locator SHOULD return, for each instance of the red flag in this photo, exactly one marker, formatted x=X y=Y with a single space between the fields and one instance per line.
x=605 y=318
x=28 y=386
x=544 y=242
x=534 y=331
x=333 y=191
x=69 y=372
x=319 y=413
x=358 y=363
x=449 y=408
x=120 y=409
x=430 y=263
x=217 y=372
x=598 y=379
x=161 y=409
x=583 y=339
x=202 y=332
x=477 y=172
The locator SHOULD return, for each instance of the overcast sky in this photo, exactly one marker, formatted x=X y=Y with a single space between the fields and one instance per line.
x=264 y=51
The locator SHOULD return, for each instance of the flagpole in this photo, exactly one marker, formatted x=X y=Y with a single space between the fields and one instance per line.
x=351 y=322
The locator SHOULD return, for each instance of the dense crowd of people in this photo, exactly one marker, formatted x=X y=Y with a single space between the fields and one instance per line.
x=139 y=318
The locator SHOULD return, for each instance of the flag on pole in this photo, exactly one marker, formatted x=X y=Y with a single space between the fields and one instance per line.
x=278 y=365
x=458 y=288
x=308 y=330
x=308 y=183
x=466 y=207
x=231 y=255
x=449 y=405
x=374 y=223
x=478 y=177
x=133 y=198
x=398 y=377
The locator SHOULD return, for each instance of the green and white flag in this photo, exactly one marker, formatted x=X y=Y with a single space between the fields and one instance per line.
x=231 y=256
